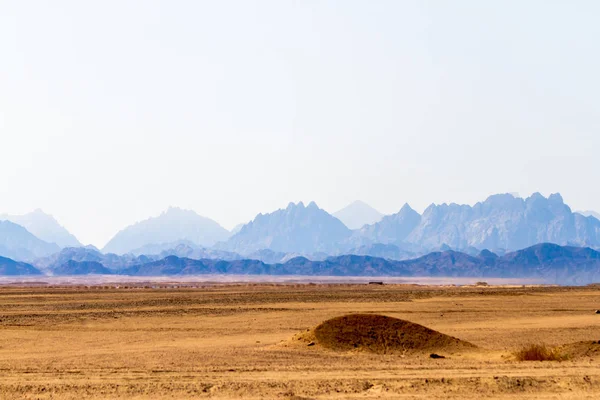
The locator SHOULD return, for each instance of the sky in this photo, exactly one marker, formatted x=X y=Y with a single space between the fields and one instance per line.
x=112 y=111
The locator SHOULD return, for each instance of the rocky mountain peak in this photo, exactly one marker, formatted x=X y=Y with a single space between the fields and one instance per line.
x=294 y=229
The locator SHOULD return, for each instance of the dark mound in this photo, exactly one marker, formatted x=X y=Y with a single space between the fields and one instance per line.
x=381 y=334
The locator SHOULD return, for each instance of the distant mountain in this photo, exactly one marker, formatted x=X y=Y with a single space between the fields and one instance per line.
x=76 y=260
x=45 y=227
x=547 y=262
x=82 y=268
x=59 y=263
x=358 y=214
x=297 y=229
x=19 y=244
x=560 y=264
x=12 y=268
x=172 y=225
x=184 y=266
x=79 y=254
x=196 y=252
x=393 y=228
x=318 y=256
x=382 y=250
x=185 y=249
x=500 y=222
x=158 y=248
x=589 y=213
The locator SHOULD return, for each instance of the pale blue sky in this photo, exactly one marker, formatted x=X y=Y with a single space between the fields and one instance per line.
x=110 y=111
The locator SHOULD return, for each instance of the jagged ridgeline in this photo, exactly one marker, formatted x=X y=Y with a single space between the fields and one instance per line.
x=503 y=236
x=500 y=223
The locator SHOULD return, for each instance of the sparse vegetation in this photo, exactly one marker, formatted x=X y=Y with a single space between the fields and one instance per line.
x=539 y=352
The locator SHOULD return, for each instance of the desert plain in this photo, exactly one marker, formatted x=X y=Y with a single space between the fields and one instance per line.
x=253 y=341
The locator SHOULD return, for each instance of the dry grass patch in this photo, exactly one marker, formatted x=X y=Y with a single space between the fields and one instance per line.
x=539 y=352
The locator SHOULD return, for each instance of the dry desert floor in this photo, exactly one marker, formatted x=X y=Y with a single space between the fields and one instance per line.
x=242 y=341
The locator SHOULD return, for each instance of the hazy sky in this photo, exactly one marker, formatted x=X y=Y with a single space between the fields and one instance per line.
x=110 y=111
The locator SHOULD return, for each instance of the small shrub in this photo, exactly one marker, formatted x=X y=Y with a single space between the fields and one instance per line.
x=539 y=352
x=481 y=284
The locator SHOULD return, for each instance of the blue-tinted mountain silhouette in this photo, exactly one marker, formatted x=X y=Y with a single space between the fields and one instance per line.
x=297 y=229
x=501 y=222
x=44 y=227
x=18 y=243
x=548 y=262
x=171 y=226
x=10 y=267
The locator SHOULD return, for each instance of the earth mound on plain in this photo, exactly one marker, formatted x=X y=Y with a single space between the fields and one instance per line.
x=380 y=334
x=588 y=349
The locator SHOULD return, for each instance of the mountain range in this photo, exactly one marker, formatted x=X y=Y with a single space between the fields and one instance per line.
x=502 y=223
x=546 y=262
x=57 y=262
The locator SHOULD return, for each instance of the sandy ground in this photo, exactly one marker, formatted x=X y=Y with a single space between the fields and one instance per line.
x=236 y=341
